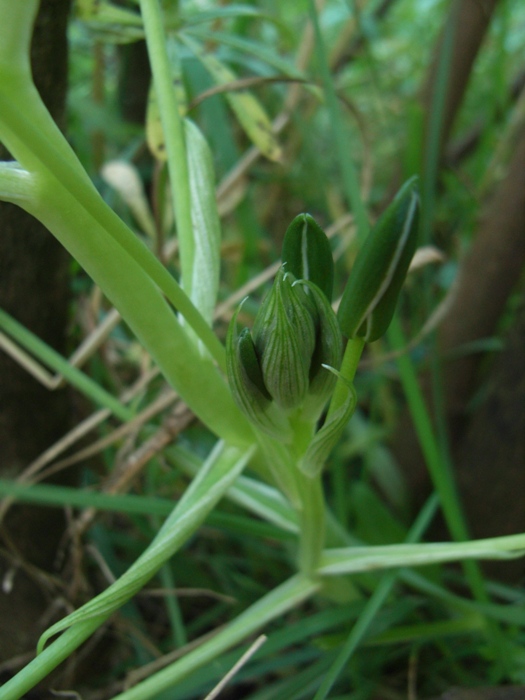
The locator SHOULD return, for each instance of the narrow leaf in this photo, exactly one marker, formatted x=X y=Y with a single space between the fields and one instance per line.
x=248 y=110
x=205 y=221
x=154 y=134
x=220 y=471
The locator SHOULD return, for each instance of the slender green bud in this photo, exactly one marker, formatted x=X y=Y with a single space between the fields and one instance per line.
x=250 y=362
x=328 y=351
x=307 y=254
x=247 y=383
x=380 y=268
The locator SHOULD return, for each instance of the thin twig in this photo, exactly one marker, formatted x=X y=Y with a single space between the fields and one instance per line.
x=236 y=668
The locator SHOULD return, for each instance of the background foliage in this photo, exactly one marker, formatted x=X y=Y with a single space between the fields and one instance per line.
x=392 y=70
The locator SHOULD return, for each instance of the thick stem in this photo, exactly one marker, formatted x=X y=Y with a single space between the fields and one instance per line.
x=16 y=184
x=312 y=523
x=15 y=35
x=280 y=466
x=41 y=148
x=132 y=291
x=30 y=134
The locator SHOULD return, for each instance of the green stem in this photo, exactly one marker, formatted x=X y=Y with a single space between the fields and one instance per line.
x=351 y=357
x=173 y=130
x=40 y=667
x=312 y=525
x=15 y=35
x=133 y=292
x=28 y=131
x=60 y=194
x=278 y=465
x=38 y=146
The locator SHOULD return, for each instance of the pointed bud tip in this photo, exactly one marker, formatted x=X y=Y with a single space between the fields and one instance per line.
x=307 y=253
x=380 y=268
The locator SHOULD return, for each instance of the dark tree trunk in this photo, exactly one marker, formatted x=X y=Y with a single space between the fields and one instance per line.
x=468 y=21
x=490 y=461
x=34 y=290
x=489 y=273
x=490 y=476
x=133 y=81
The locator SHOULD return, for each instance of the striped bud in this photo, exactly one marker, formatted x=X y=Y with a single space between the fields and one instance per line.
x=284 y=337
x=277 y=369
x=307 y=254
x=380 y=268
x=247 y=383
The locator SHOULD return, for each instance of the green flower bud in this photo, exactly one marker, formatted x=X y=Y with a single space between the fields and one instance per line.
x=284 y=336
x=279 y=368
x=307 y=254
x=380 y=268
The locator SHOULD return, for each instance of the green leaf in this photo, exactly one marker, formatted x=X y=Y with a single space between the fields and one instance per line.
x=109 y=22
x=228 y=12
x=373 y=520
x=219 y=473
x=205 y=223
x=263 y=53
x=154 y=132
x=57 y=363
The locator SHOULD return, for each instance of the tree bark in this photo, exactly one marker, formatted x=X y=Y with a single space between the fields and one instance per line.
x=489 y=273
x=468 y=20
x=34 y=289
x=490 y=461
